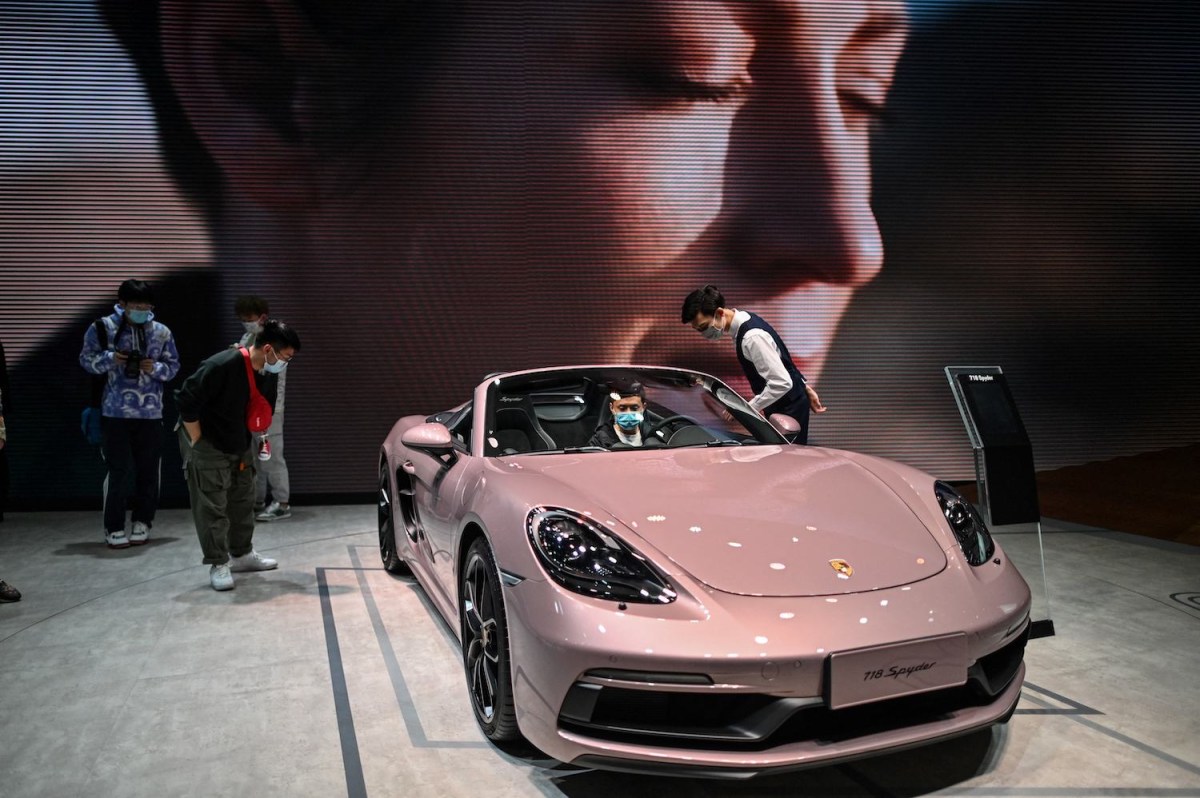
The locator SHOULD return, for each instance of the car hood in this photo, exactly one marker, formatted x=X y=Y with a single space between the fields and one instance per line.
x=758 y=520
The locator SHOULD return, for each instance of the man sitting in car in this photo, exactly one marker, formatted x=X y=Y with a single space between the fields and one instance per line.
x=627 y=427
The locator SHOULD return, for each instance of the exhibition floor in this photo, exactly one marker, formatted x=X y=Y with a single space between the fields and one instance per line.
x=122 y=673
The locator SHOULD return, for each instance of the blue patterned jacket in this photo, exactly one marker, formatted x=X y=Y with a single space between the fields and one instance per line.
x=125 y=397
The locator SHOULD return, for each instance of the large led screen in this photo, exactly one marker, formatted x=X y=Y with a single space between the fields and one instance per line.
x=432 y=190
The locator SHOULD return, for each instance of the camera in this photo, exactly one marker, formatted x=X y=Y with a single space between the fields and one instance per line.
x=133 y=366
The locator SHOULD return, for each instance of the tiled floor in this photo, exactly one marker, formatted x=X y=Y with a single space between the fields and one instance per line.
x=123 y=674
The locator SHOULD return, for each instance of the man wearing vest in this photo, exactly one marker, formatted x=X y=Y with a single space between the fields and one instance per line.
x=778 y=385
x=215 y=441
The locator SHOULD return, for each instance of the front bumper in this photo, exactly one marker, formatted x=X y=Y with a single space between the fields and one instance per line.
x=673 y=689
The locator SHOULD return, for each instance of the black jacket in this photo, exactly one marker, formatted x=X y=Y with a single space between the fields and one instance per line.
x=216 y=395
x=607 y=437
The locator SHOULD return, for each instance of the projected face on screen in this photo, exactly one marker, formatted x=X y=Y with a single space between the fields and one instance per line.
x=541 y=181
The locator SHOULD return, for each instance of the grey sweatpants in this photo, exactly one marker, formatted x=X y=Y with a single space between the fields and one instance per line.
x=273 y=473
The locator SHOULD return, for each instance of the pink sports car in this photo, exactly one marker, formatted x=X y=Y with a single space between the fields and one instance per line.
x=698 y=595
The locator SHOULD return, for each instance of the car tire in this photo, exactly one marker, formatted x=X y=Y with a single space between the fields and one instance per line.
x=485 y=644
x=392 y=563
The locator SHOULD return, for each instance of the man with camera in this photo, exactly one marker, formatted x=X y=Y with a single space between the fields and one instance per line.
x=135 y=355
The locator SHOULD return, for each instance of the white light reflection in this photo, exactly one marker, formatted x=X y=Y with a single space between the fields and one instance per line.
x=787 y=616
x=695 y=529
x=656 y=518
x=777 y=566
x=883 y=603
x=735 y=544
x=762 y=641
x=831 y=600
x=862 y=620
x=811 y=528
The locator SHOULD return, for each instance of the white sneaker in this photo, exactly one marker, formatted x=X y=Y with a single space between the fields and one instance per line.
x=274 y=512
x=220 y=578
x=252 y=562
x=140 y=533
x=117 y=540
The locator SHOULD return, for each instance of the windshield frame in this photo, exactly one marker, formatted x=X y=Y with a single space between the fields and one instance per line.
x=759 y=431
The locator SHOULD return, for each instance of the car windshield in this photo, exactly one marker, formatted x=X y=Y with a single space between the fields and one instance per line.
x=616 y=409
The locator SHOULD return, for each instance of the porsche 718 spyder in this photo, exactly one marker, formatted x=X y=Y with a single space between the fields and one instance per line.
x=716 y=601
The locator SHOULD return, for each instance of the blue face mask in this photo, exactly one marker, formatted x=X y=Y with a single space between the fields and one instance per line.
x=138 y=316
x=628 y=421
x=275 y=368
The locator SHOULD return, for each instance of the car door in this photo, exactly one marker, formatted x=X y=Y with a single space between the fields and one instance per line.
x=437 y=485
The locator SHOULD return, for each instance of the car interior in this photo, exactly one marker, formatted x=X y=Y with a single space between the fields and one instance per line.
x=557 y=413
x=566 y=417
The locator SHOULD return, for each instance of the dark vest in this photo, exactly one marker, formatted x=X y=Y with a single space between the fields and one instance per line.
x=757 y=381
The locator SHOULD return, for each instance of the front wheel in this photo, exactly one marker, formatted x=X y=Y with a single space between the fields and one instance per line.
x=387 y=525
x=485 y=645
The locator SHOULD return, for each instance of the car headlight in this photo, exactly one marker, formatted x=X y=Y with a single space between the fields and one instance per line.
x=966 y=524
x=582 y=556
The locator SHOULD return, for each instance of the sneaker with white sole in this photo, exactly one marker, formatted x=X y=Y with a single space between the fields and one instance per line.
x=252 y=562
x=140 y=533
x=274 y=512
x=220 y=578
x=117 y=539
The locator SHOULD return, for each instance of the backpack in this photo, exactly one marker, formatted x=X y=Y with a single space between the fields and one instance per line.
x=89 y=420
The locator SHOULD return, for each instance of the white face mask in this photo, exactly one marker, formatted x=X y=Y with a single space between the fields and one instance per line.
x=712 y=332
x=252 y=327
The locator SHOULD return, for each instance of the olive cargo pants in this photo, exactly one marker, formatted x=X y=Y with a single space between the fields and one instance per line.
x=221 y=488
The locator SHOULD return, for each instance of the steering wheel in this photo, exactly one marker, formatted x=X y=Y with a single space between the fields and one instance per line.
x=670 y=421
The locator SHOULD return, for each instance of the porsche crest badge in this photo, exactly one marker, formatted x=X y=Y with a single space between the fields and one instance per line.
x=843 y=568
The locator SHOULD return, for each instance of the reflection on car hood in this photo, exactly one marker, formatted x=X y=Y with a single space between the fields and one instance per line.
x=759 y=520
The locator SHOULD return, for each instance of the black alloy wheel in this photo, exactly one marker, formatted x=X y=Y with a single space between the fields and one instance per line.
x=387 y=526
x=485 y=644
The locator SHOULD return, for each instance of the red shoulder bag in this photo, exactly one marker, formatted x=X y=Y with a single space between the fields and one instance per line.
x=258 y=409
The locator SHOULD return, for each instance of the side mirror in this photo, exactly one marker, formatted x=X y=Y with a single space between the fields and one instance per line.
x=432 y=438
x=787 y=426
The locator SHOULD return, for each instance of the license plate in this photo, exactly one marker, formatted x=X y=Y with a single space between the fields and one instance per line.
x=899 y=669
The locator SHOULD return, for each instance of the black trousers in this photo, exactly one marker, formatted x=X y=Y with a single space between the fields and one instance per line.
x=799 y=409
x=133 y=453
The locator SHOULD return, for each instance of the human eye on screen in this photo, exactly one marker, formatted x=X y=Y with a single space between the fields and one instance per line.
x=867 y=67
x=676 y=82
x=868 y=106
